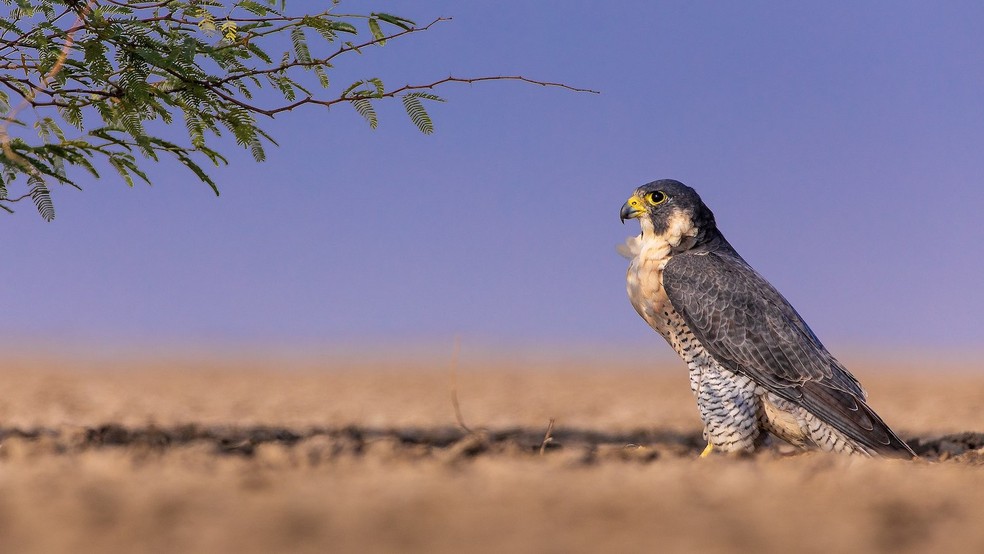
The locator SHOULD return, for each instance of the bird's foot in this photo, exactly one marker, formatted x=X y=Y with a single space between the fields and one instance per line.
x=707 y=450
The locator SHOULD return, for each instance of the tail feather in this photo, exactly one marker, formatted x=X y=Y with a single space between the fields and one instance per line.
x=855 y=419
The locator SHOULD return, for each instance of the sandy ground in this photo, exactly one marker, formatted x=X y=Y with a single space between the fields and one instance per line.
x=247 y=457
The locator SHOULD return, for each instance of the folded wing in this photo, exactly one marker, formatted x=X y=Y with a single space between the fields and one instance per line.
x=749 y=328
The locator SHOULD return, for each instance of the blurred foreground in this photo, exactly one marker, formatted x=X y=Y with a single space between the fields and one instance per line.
x=163 y=457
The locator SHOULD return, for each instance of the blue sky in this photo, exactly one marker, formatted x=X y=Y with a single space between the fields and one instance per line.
x=841 y=147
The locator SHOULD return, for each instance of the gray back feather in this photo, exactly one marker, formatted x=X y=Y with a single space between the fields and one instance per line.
x=750 y=328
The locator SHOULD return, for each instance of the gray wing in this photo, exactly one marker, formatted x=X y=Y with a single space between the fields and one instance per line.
x=749 y=328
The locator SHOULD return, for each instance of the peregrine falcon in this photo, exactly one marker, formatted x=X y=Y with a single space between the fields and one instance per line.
x=755 y=366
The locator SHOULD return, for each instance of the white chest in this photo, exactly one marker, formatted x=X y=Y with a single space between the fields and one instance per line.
x=648 y=255
x=644 y=283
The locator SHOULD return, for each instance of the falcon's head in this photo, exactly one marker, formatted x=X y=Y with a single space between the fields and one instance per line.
x=669 y=209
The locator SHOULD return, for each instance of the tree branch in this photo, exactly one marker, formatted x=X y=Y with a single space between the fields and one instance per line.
x=160 y=61
x=395 y=92
x=26 y=101
x=323 y=61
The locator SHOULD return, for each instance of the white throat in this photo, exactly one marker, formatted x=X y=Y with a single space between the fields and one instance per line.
x=680 y=232
x=680 y=235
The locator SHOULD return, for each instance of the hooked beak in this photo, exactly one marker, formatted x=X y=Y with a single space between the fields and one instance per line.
x=632 y=209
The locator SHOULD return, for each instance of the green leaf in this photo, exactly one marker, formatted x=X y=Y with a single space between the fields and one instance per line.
x=365 y=109
x=207 y=21
x=322 y=76
x=299 y=42
x=377 y=33
x=9 y=26
x=378 y=83
x=197 y=170
x=122 y=170
x=415 y=109
x=355 y=90
x=254 y=7
x=344 y=27
x=256 y=149
x=195 y=127
x=259 y=53
x=285 y=84
x=324 y=27
x=426 y=96
x=400 y=22
x=41 y=197
x=72 y=114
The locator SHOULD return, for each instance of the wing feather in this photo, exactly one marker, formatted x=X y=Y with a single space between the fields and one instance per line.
x=749 y=328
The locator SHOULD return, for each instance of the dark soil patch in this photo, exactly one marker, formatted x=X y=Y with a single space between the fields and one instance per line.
x=587 y=446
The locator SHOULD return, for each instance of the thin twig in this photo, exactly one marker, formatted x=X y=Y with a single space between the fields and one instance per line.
x=454 y=385
x=18 y=199
x=547 y=437
x=390 y=94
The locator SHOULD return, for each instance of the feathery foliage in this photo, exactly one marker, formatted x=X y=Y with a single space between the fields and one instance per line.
x=88 y=84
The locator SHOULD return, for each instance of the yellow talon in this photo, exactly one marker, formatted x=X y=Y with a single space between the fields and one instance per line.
x=707 y=450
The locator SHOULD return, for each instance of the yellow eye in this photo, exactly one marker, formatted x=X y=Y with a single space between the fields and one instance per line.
x=656 y=198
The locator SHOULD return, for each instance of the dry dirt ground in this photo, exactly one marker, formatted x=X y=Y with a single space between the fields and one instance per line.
x=248 y=457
